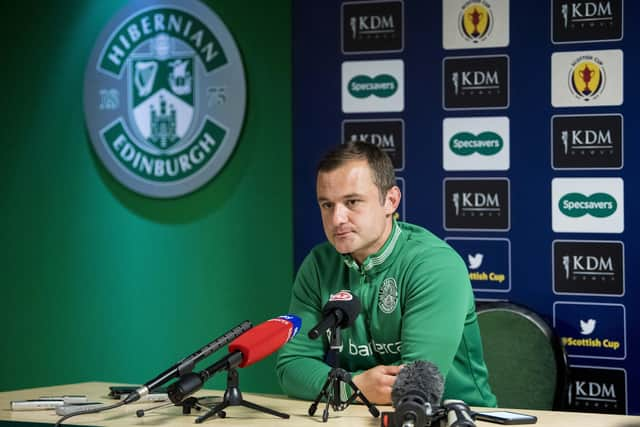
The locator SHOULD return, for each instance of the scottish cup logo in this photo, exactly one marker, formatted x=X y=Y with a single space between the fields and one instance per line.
x=164 y=96
x=475 y=21
x=587 y=78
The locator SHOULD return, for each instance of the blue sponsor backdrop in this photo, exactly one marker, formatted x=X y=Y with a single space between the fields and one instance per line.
x=318 y=124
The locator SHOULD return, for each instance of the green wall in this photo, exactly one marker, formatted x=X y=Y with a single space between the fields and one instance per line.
x=99 y=283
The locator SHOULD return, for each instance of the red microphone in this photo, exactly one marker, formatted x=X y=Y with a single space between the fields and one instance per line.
x=249 y=348
x=266 y=338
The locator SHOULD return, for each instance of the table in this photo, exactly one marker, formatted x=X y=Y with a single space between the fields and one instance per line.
x=353 y=416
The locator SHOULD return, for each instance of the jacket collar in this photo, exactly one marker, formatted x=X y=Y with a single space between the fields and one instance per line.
x=379 y=257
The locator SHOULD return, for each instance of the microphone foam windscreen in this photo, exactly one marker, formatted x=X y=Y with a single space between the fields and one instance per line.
x=265 y=338
x=348 y=303
x=419 y=377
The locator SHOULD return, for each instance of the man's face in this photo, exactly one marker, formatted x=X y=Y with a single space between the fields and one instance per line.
x=353 y=216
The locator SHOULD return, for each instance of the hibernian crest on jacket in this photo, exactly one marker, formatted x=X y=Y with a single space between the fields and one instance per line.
x=388 y=295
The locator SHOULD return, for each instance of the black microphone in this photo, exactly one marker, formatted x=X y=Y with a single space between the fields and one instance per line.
x=458 y=414
x=341 y=311
x=247 y=349
x=186 y=365
x=416 y=396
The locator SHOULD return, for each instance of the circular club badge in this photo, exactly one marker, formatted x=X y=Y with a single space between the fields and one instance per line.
x=164 y=96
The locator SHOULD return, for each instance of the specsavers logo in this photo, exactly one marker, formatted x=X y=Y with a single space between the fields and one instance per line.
x=382 y=86
x=372 y=86
x=589 y=205
x=598 y=205
x=164 y=96
x=475 y=143
x=486 y=143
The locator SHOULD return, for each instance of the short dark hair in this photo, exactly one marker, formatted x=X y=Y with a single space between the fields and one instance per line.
x=382 y=171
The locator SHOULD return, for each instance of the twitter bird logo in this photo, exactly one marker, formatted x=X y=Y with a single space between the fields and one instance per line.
x=586 y=328
x=475 y=261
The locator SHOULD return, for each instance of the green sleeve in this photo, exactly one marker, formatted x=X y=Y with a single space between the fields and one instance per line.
x=437 y=301
x=300 y=367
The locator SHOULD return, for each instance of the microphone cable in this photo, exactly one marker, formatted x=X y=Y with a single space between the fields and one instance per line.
x=89 y=411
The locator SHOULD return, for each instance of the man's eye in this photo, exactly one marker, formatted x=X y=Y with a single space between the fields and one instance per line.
x=352 y=202
x=325 y=205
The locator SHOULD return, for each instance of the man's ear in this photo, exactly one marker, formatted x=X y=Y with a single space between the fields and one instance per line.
x=392 y=200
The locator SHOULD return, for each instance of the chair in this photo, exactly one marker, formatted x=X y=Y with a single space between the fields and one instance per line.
x=526 y=360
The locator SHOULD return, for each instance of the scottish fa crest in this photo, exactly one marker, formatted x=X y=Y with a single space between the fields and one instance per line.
x=164 y=96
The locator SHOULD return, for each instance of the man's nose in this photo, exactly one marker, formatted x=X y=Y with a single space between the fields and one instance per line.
x=339 y=214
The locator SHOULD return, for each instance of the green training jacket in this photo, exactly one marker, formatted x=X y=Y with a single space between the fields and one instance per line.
x=417 y=304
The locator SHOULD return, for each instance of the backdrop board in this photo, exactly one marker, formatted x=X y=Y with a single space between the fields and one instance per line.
x=511 y=129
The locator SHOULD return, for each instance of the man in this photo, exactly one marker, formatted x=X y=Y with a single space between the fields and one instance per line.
x=417 y=302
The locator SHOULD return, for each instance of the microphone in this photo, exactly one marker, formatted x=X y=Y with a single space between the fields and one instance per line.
x=249 y=348
x=186 y=365
x=341 y=311
x=458 y=414
x=416 y=396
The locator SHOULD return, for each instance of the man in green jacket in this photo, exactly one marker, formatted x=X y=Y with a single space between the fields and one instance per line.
x=417 y=302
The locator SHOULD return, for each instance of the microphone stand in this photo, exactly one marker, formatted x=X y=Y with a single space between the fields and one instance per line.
x=331 y=388
x=233 y=397
x=187 y=405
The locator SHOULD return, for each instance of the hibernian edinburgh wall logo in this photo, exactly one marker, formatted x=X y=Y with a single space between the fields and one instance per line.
x=164 y=96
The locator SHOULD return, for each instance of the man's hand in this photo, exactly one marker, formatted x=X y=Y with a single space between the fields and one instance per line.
x=376 y=383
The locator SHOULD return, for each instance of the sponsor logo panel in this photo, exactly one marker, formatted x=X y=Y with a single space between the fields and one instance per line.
x=588 y=267
x=372 y=26
x=469 y=24
x=373 y=86
x=587 y=142
x=476 y=204
x=475 y=143
x=480 y=82
x=488 y=262
x=586 y=78
x=386 y=134
x=575 y=21
x=597 y=389
x=594 y=330
x=587 y=205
